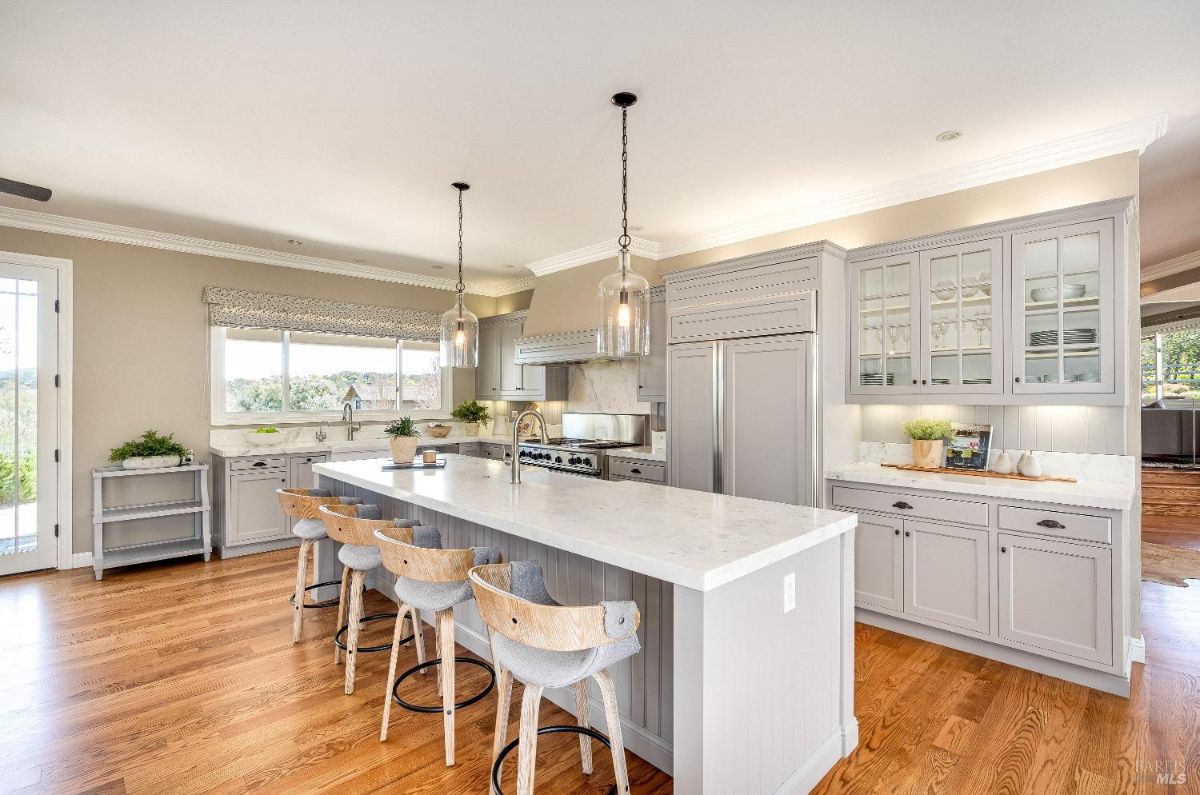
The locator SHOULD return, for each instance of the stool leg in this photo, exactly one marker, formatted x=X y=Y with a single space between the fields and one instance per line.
x=527 y=745
x=419 y=637
x=446 y=634
x=581 y=716
x=503 y=706
x=613 y=718
x=355 y=621
x=391 y=677
x=301 y=581
x=343 y=593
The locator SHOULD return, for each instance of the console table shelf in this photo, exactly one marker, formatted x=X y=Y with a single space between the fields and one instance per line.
x=198 y=506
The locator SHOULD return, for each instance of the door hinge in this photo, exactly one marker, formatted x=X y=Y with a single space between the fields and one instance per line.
x=56 y=531
x=57 y=305
x=57 y=380
x=56 y=455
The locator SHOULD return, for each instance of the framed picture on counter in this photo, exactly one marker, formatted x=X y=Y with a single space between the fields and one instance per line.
x=969 y=446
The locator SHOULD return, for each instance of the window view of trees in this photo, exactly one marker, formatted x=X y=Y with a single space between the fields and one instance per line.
x=325 y=371
x=1179 y=379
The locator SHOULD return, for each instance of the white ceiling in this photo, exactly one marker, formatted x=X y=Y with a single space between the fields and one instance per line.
x=342 y=124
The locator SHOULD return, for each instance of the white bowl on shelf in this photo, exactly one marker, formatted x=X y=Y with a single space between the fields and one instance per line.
x=256 y=439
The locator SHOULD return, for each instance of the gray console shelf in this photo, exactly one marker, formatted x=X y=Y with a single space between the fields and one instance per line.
x=200 y=543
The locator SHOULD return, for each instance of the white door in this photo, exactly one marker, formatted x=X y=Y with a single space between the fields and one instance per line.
x=879 y=563
x=946 y=575
x=28 y=417
x=766 y=449
x=692 y=415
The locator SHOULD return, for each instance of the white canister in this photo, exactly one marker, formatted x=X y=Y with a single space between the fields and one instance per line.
x=1003 y=464
x=1029 y=465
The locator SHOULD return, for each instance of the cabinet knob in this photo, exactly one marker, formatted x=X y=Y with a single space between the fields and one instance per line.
x=902 y=505
x=897 y=532
x=1017 y=379
x=907 y=534
x=924 y=382
x=914 y=380
x=283 y=480
x=259 y=463
x=1052 y=524
x=1003 y=549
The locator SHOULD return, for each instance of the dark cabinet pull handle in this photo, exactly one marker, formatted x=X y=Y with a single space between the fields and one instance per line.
x=635 y=471
x=283 y=480
x=897 y=532
x=1003 y=549
x=914 y=380
x=907 y=534
x=1017 y=379
x=924 y=382
x=260 y=463
x=308 y=460
x=902 y=505
x=1052 y=524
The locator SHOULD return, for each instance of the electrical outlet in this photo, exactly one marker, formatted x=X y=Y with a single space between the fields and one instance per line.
x=789 y=593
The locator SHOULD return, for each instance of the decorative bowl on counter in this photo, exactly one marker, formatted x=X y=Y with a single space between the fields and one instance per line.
x=438 y=431
x=263 y=438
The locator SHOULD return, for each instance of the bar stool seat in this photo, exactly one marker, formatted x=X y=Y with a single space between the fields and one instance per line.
x=543 y=644
x=357 y=557
x=310 y=530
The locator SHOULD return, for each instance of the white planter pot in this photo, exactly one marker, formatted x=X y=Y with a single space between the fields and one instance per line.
x=151 y=462
x=470 y=429
x=404 y=448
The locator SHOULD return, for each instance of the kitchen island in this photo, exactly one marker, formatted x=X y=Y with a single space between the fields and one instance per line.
x=745 y=678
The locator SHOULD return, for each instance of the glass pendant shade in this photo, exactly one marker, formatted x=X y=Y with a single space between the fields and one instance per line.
x=624 y=304
x=460 y=336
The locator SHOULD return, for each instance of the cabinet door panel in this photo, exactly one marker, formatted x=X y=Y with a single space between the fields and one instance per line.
x=510 y=371
x=962 y=329
x=487 y=373
x=652 y=368
x=885 y=332
x=254 y=512
x=766 y=449
x=879 y=563
x=691 y=415
x=1057 y=596
x=946 y=575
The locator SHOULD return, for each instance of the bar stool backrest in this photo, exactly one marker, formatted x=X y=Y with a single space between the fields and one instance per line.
x=342 y=524
x=548 y=627
x=304 y=503
x=404 y=559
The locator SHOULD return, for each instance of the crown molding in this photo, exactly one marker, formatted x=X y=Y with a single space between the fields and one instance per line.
x=639 y=247
x=1129 y=136
x=113 y=233
x=1170 y=267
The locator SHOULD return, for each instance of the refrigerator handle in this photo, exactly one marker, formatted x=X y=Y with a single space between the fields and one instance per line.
x=718 y=417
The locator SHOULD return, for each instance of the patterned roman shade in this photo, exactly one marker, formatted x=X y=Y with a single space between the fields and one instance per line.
x=248 y=309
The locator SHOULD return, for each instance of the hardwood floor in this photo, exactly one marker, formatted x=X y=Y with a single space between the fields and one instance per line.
x=182 y=677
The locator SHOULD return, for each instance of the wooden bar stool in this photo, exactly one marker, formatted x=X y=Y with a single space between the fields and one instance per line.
x=544 y=645
x=354 y=526
x=303 y=505
x=434 y=579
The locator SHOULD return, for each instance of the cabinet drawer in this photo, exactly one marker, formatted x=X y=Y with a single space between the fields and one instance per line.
x=912 y=507
x=1056 y=523
x=652 y=471
x=752 y=318
x=251 y=464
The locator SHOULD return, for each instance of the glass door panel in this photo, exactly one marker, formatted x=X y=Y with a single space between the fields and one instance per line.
x=883 y=341
x=1064 y=308
x=961 y=303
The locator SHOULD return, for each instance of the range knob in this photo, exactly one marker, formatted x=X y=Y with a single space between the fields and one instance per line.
x=586 y=461
x=558 y=459
x=573 y=459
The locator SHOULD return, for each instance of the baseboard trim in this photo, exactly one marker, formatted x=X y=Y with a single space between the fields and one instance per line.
x=1137 y=649
x=804 y=778
x=80 y=560
x=1098 y=680
x=637 y=739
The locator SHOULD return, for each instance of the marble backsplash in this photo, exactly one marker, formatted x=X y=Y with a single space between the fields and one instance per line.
x=605 y=387
x=1083 y=466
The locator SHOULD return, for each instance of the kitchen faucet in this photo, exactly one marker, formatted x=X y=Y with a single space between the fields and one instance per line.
x=348 y=418
x=516 y=440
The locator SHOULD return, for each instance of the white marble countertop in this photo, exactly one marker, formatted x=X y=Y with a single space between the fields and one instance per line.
x=341 y=445
x=643 y=453
x=1113 y=495
x=691 y=538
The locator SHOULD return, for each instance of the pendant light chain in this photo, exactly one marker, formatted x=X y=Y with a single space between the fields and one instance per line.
x=624 y=240
x=461 y=286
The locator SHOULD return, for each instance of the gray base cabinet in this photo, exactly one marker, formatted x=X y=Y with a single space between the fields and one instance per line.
x=248 y=518
x=879 y=562
x=946 y=574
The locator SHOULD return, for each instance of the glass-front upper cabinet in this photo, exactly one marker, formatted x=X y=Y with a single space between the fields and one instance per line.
x=962 y=319
x=1063 y=326
x=883 y=355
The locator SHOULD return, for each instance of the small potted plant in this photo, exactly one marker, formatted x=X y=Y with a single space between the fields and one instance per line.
x=470 y=413
x=928 y=439
x=402 y=438
x=149 y=451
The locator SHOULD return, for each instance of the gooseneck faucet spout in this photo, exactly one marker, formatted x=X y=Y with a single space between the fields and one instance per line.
x=348 y=418
x=516 y=440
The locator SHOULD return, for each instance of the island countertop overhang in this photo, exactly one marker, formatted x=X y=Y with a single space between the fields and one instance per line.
x=690 y=538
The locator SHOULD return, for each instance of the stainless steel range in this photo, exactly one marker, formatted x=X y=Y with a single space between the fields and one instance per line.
x=585 y=438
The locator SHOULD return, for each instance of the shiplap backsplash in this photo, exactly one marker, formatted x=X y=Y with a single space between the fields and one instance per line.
x=1063 y=429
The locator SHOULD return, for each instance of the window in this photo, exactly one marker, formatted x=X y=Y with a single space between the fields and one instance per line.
x=263 y=375
x=1171 y=368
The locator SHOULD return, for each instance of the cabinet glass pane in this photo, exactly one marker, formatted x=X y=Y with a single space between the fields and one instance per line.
x=943 y=369
x=977 y=268
x=899 y=370
x=1081 y=365
x=977 y=368
x=1041 y=258
x=1081 y=253
x=958 y=315
x=885 y=325
x=1041 y=368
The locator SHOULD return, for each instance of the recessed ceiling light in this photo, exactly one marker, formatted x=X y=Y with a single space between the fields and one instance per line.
x=439 y=267
x=509 y=267
x=296 y=242
x=636 y=228
x=360 y=261
x=949 y=135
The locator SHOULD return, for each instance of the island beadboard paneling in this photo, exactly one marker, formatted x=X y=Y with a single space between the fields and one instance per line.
x=1063 y=429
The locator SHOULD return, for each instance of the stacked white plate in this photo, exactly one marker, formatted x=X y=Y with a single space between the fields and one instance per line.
x=876 y=379
x=1043 y=295
x=1071 y=336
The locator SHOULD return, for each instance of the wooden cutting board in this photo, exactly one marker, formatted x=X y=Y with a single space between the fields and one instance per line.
x=982 y=474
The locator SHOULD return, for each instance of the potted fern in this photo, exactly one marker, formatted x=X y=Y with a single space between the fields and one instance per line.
x=470 y=413
x=151 y=450
x=402 y=438
x=928 y=440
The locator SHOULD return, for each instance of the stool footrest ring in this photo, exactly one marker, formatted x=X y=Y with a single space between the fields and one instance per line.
x=340 y=642
x=438 y=661
x=318 y=605
x=590 y=732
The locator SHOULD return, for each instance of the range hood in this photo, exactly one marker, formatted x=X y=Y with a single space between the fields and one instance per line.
x=565 y=347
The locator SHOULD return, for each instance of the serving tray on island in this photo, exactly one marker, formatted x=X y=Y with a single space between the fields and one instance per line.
x=439 y=464
x=975 y=473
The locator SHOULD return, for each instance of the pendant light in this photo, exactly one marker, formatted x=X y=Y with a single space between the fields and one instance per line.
x=460 y=327
x=623 y=298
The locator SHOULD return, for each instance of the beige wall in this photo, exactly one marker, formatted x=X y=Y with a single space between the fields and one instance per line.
x=566 y=301
x=140 y=341
x=513 y=302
